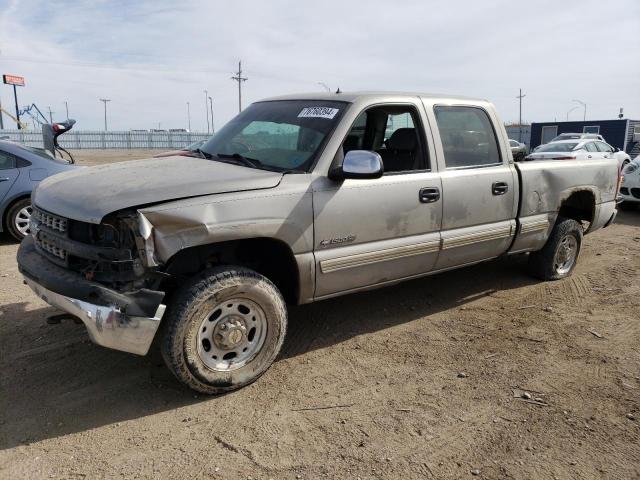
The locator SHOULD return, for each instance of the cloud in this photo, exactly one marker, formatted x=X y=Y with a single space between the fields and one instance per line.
x=150 y=58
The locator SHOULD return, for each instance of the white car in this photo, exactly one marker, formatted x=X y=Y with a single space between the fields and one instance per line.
x=630 y=188
x=582 y=149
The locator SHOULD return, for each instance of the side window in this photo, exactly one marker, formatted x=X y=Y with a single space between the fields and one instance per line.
x=7 y=161
x=394 y=132
x=603 y=147
x=591 y=147
x=468 y=138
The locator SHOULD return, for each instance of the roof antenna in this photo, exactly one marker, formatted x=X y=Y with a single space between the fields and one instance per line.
x=338 y=90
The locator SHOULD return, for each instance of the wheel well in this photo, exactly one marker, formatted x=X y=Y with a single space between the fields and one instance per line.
x=5 y=225
x=267 y=256
x=579 y=206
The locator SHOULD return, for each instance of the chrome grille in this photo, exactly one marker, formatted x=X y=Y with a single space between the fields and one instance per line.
x=51 y=221
x=43 y=243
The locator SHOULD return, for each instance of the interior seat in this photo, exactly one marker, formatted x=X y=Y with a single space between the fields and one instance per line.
x=401 y=152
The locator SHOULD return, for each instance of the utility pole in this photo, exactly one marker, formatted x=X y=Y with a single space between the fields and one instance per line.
x=105 y=100
x=188 y=116
x=213 y=130
x=584 y=117
x=50 y=115
x=239 y=78
x=66 y=107
x=1 y=121
x=520 y=97
x=206 y=109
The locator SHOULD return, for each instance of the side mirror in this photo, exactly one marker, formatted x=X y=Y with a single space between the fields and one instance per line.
x=359 y=164
x=617 y=149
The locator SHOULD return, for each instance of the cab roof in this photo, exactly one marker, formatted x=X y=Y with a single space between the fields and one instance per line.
x=352 y=97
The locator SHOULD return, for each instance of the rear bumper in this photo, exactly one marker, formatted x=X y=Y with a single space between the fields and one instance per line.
x=122 y=321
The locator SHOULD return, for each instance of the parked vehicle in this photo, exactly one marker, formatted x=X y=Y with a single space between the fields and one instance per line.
x=189 y=151
x=577 y=136
x=630 y=188
x=578 y=150
x=518 y=150
x=298 y=199
x=21 y=169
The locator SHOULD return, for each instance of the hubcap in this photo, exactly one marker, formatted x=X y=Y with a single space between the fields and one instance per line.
x=566 y=254
x=232 y=334
x=21 y=221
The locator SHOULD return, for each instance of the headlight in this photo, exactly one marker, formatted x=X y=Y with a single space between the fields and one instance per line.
x=630 y=168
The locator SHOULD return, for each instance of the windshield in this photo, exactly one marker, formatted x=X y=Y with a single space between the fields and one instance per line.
x=556 y=147
x=277 y=135
x=566 y=136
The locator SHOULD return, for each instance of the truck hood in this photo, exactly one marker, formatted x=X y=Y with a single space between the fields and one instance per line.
x=88 y=194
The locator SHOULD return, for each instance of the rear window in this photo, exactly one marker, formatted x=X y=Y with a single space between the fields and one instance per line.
x=556 y=147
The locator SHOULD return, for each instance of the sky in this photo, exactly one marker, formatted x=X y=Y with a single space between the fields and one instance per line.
x=152 y=57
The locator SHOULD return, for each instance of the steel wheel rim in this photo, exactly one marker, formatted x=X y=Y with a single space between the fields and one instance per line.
x=21 y=221
x=231 y=334
x=566 y=254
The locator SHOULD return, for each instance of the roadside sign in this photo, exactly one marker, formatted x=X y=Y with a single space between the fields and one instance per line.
x=13 y=80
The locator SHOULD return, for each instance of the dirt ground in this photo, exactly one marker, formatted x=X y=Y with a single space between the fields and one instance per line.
x=368 y=386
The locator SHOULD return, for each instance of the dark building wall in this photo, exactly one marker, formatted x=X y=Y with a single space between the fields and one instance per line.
x=613 y=131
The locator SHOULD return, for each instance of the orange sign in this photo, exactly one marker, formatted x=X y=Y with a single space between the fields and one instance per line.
x=13 y=80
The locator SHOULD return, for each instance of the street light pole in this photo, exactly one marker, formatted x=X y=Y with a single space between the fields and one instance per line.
x=188 y=117
x=213 y=129
x=66 y=106
x=105 y=100
x=206 y=109
x=50 y=115
x=571 y=110
x=584 y=117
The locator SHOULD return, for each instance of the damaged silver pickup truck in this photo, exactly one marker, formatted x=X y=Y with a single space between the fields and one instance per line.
x=298 y=199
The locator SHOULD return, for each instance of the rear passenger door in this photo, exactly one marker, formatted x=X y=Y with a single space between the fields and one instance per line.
x=479 y=186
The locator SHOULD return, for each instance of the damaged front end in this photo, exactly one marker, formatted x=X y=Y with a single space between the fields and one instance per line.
x=105 y=274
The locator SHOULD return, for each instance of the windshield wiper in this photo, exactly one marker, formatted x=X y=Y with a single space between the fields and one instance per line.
x=246 y=161
x=206 y=155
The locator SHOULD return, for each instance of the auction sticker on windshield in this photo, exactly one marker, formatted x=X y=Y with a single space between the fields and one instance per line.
x=318 y=112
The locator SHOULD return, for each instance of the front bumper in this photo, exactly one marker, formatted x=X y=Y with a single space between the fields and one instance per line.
x=122 y=321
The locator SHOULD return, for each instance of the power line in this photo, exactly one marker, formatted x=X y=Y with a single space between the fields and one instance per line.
x=239 y=78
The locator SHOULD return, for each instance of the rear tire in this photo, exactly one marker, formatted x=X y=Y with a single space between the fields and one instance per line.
x=559 y=256
x=17 y=219
x=223 y=329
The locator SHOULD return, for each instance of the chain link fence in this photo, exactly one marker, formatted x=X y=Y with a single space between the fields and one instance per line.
x=97 y=140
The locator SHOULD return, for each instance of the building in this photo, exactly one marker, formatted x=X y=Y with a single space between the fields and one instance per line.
x=521 y=133
x=623 y=133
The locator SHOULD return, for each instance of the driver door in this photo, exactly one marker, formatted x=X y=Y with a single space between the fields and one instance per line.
x=375 y=231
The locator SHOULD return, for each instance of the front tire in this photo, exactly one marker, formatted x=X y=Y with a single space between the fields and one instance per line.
x=224 y=329
x=559 y=256
x=18 y=217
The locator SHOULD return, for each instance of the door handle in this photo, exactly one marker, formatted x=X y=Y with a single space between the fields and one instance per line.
x=429 y=195
x=4 y=179
x=499 y=188
x=589 y=156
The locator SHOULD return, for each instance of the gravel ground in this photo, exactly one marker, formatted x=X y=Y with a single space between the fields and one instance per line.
x=411 y=381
